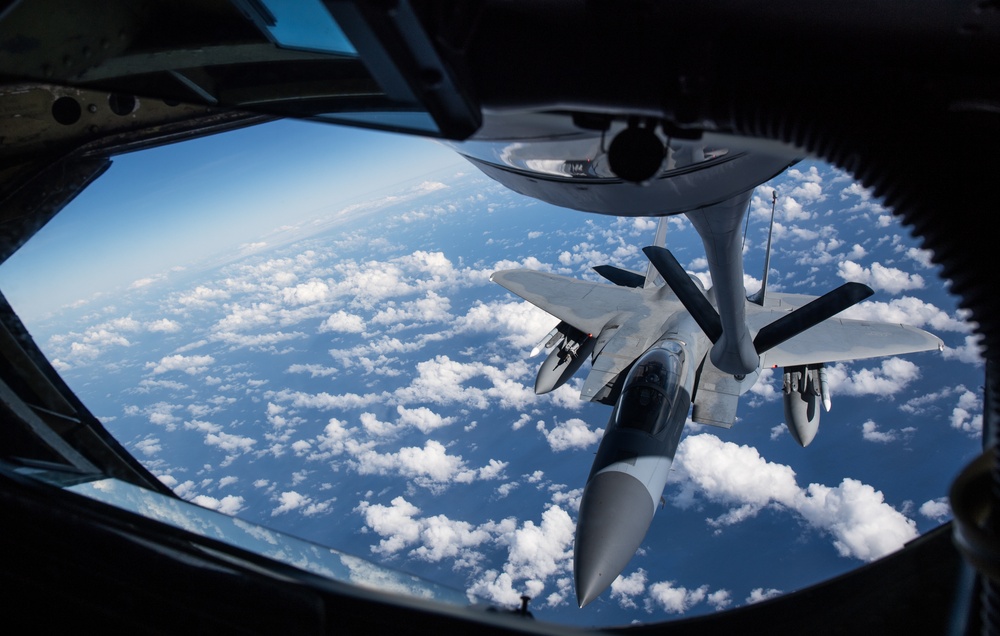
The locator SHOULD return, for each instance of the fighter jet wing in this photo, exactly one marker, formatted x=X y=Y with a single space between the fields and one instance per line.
x=840 y=339
x=617 y=348
x=585 y=305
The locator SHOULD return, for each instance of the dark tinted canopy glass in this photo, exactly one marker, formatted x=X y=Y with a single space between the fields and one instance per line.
x=651 y=389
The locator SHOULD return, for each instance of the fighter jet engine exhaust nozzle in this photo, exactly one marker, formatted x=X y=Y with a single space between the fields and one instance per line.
x=803 y=388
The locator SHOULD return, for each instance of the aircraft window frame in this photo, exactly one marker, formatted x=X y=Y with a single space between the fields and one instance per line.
x=313 y=558
x=297 y=24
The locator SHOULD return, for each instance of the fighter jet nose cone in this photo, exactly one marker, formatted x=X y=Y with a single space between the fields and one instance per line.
x=584 y=595
x=615 y=513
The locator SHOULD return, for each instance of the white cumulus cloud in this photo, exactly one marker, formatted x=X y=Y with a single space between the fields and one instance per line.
x=422 y=418
x=870 y=432
x=228 y=505
x=188 y=364
x=759 y=594
x=855 y=515
x=967 y=415
x=290 y=500
x=625 y=589
x=880 y=277
x=343 y=322
x=570 y=434
x=906 y=310
x=891 y=377
x=164 y=325
x=674 y=600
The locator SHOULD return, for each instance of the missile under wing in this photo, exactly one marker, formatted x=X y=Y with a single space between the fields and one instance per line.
x=625 y=321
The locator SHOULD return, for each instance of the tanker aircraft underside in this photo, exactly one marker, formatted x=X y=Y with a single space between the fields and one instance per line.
x=652 y=347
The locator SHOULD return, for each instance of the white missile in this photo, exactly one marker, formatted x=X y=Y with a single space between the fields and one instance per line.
x=546 y=342
x=824 y=389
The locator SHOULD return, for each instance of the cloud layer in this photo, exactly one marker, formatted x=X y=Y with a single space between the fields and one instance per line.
x=369 y=387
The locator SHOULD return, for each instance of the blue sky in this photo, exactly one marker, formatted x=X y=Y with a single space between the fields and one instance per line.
x=358 y=381
x=178 y=205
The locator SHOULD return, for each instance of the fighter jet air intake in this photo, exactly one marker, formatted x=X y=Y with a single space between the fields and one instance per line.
x=662 y=346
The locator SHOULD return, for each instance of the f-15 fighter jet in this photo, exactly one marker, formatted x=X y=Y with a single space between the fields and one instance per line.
x=650 y=339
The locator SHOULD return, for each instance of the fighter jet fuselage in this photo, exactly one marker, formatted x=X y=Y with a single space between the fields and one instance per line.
x=633 y=460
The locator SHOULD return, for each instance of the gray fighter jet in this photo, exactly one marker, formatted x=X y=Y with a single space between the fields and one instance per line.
x=661 y=344
x=653 y=358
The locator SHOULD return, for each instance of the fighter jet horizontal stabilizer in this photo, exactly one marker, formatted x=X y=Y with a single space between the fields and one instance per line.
x=687 y=292
x=810 y=315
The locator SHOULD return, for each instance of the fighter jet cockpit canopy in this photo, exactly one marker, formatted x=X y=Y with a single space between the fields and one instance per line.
x=652 y=387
